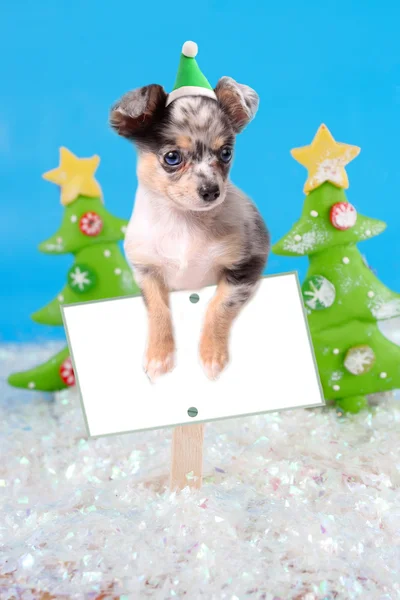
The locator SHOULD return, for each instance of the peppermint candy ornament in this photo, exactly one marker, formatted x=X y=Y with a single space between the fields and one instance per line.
x=67 y=372
x=90 y=224
x=343 y=215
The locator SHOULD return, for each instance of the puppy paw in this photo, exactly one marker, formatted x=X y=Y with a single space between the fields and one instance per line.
x=159 y=360
x=214 y=357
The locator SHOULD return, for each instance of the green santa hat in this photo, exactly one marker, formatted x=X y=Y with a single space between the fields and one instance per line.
x=190 y=81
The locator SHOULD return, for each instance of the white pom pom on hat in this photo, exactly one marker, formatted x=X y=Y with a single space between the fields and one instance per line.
x=190 y=49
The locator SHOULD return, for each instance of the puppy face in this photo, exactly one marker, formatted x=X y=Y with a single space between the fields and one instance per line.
x=188 y=158
x=185 y=149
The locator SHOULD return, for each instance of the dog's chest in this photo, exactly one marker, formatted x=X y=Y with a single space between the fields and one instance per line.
x=189 y=259
x=185 y=254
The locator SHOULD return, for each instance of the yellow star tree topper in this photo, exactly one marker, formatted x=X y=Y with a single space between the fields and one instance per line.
x=75 y=176
x=325 y=160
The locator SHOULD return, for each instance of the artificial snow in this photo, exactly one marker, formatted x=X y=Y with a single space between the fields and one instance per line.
x=298 y=505
x=385 y=310
x=308 y=241
x=390 y=328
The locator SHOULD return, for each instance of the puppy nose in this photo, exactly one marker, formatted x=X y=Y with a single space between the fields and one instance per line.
x=209 y=192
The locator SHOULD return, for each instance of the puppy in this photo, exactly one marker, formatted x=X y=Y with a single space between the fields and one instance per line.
x=191 y=227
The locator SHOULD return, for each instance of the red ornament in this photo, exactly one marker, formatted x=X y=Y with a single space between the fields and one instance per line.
x=90 y=224
x=343 y=215
x=67 y=372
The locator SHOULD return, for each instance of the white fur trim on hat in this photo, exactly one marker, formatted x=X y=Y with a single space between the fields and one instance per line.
x=190 y=90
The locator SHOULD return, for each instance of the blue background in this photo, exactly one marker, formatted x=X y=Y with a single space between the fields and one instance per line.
x=64 y=63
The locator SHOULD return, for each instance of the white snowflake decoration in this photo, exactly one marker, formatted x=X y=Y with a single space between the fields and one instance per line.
x=321 y=293
x=79 y=278
x=359 y=360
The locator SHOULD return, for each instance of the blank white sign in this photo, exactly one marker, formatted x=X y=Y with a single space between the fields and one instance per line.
x=272 y=364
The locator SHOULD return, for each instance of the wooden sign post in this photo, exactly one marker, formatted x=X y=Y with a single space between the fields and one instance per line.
x=187 y=456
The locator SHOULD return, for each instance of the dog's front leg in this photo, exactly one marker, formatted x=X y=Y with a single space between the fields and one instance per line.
x=236 y=286
x=160 y=351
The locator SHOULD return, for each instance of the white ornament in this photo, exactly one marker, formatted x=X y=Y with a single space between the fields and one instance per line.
x=321 y=293
x=123 y=228
x=368 y=232
x=31 y=385
x=314 y=213
x=297 y=238
x=61 y=298
x=59 y=240
x=336 y=388
x=74 y=218
x=336 y=351
x=383 y=375
x=346 y=260
x=359 y=360
x=190 y=49
x=117 y=271
x=107 y=253
x=371 y=294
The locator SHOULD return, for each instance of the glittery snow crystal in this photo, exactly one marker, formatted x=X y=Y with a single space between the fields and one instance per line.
x=297 y=505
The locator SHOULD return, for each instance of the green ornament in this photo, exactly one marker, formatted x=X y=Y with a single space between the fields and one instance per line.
x=81 y=278
x=346 y=303
x=318 y=292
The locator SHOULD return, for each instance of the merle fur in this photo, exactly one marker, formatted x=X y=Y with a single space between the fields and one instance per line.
x=142 y=117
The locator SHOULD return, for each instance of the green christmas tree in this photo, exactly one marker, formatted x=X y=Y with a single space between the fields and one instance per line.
x=351 y=314
x=91 y=234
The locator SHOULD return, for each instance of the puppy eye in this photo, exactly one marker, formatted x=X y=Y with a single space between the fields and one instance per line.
x=225 y=154
x=173 y=158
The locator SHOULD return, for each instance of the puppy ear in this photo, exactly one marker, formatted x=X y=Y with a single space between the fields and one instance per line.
x=135 y=112
x=239 y=102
